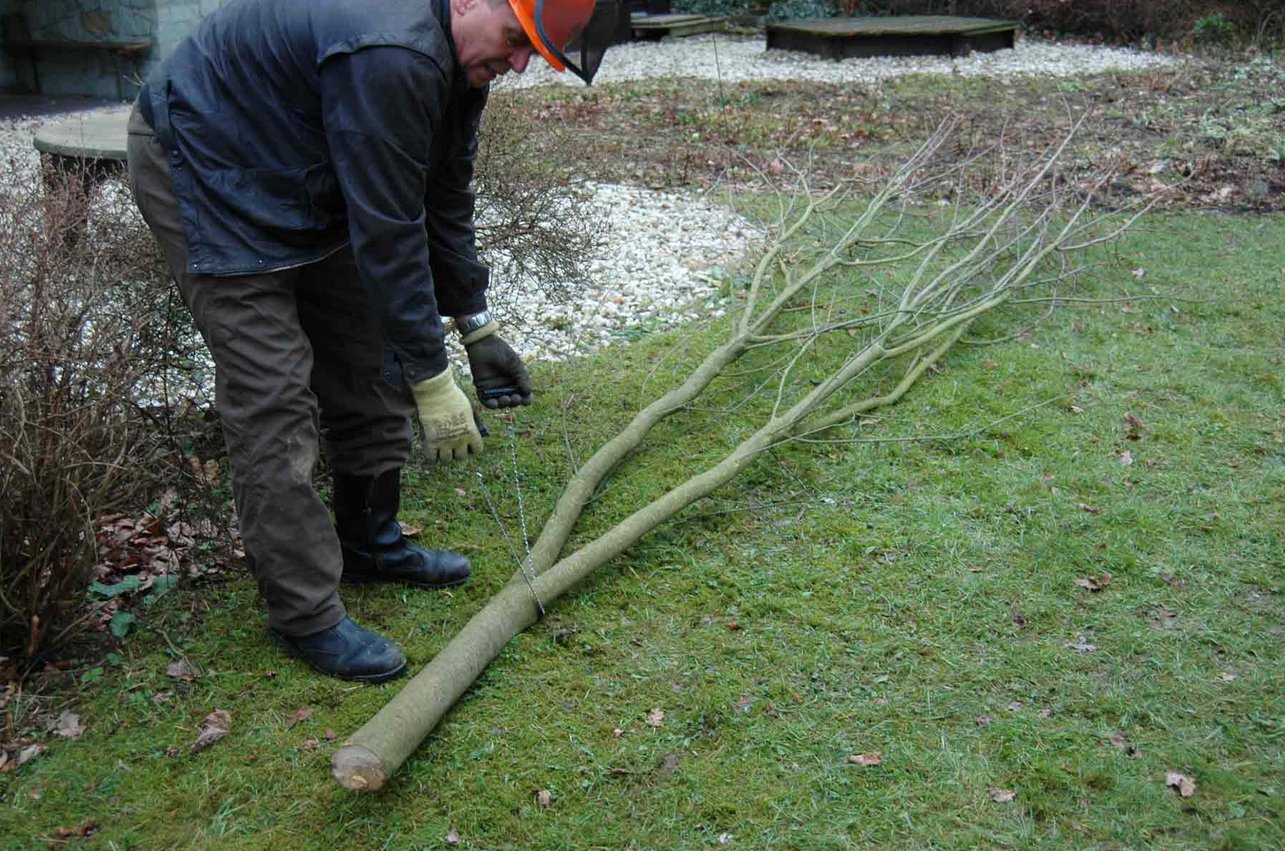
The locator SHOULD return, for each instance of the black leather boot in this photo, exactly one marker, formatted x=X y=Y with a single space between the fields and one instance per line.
x=373 y=545
x=346 y=651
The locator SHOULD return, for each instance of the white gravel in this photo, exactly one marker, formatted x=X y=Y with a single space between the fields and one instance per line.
x=653 y=266
x=737 y=58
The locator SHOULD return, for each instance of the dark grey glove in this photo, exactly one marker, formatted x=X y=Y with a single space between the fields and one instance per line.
x=496 y=369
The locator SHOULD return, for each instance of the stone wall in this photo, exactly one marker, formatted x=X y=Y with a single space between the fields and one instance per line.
x=100 y=73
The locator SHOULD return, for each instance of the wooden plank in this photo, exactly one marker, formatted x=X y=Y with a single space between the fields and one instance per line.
x=650 y=27
x=896 y=25
x=909 y=35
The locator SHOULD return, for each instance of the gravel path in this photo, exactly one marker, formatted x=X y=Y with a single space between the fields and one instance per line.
x=733 y=58
x=658 y=248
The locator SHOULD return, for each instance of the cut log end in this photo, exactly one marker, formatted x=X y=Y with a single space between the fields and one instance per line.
x=359 y=769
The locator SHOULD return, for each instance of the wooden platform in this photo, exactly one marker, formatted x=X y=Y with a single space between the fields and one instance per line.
x=655 y=27
x=902 y=35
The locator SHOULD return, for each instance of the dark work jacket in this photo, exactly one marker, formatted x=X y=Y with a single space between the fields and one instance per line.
x=296 y=127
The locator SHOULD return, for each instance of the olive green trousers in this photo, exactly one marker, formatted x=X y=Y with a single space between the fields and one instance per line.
x=299 y=359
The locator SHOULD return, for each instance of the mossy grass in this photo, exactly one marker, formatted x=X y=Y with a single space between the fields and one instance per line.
x=915 y=598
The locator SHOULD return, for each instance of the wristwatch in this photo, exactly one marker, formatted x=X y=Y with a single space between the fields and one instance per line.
x=477 y=320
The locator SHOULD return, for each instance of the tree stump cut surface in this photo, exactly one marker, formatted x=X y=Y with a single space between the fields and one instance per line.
x=902 y=35
x=90 y=138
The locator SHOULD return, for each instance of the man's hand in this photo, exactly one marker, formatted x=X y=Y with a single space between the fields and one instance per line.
x=496 y=366
x=449 y=430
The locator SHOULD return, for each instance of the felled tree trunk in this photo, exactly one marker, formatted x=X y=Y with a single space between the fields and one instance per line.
x=1000 y=251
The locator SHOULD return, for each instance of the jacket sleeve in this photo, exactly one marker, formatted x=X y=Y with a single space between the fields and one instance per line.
x=381 y=107
x=449 y=205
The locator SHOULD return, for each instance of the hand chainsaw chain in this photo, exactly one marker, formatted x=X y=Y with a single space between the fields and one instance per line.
x=525 y=565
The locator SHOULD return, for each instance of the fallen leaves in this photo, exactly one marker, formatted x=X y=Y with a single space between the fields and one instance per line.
x=1185 y=785
x=1133 y=427
x=544 y=798
x=1119 y=741
x=303 y=713
x=1094 y=584
x=865 y=759
x=1089 y=509
x=215 y=726
x=452 y=837
x=183 y=669
x=1002 y=796
x=1125 y=458
x=1162 y=618
x=1081 y=646
x=87 y=829
x=68 y=725
x=655 y=718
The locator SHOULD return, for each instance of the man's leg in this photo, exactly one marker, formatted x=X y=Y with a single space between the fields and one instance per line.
x=267 y=410
x=270 y=425
x=366 y=422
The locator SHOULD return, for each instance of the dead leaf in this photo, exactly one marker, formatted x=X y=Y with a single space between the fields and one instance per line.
x=1076 y=409
x=184 y=669
x=1002 y=796
x=89 y=828
x=30 y=752
x=1185 y=785
x=1162 y=617
x=303 y=713
x=744 y=704
x=161 y=697
x=1133 y=427
x=1125 y=458
x=1121 y=743
x=865 y=759
x=1226 y=676
x=310 y=744
x=452 y=837
x=68 y=726
x=983 y=720
x=1081 y=646
x=1094 y=583
x=655 y=718
x=1015 y=706
x=1139 y=273
x=215 y=726
x=668 y=765
x=617 y=732
x=543 y=797
x=330 y=735
x=1046 y=712
x=1084 y=506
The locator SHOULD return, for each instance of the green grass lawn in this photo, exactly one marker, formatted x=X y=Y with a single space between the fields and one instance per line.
x=912 y=599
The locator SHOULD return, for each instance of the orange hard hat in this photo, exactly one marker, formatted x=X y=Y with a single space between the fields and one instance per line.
x=552 y=25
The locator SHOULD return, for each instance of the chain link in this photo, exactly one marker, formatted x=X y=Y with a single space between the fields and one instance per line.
x=525 y=567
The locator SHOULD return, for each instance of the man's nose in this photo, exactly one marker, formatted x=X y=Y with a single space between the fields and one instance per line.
x=519 y=58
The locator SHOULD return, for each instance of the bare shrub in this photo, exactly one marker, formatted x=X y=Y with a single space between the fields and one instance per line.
x=529 y=228
x=89 y=337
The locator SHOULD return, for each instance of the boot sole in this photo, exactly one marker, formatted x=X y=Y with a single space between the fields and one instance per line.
x=366 y=579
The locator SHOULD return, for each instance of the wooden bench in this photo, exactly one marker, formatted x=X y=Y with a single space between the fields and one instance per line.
x=901 y=35
x=16 y=39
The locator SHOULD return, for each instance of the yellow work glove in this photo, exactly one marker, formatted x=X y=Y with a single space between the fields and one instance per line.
x=447 y=417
